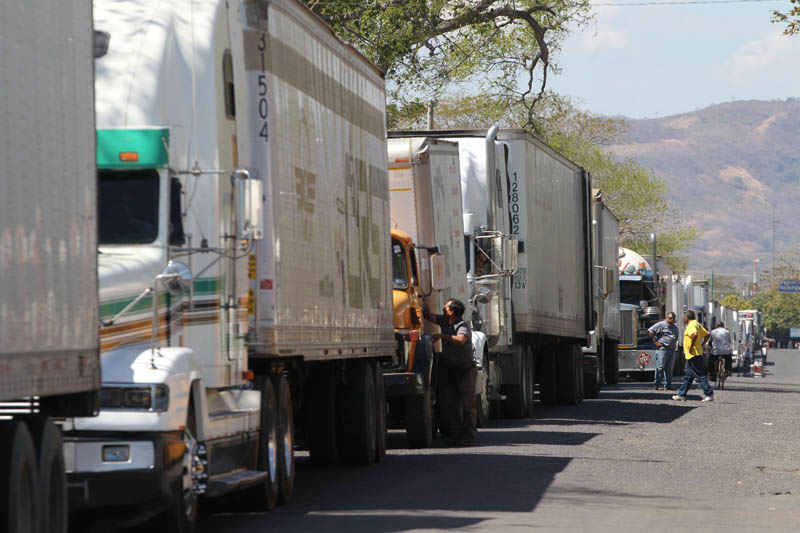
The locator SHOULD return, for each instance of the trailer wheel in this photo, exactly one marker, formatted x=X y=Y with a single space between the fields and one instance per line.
x=264 y=496
x=18 y=479
x=285 y=436
x=548 y=377
x=380 y=406
x=52 y=477
x=482 y=398
x=357 y=414
x=323 y=428
x=570 y=374
x=518 y=395
x=611 y=362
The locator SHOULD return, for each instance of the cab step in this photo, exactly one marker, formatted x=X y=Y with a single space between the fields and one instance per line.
x=231 y=481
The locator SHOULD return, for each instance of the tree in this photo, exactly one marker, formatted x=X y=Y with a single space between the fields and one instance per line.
x=425 y=47
x=734 y=301
x=791 y=18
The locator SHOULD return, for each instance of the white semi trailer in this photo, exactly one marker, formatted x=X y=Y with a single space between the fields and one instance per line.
x=527 y=209
x=425 y=194
x=244 y=261
x=601 y=358
x=49 y=357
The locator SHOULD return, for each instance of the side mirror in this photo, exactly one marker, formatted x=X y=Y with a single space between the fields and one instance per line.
x=601 y=279
x=176 y=278
x=510 y=247
x=610 y=281
x=438 y=272
x=249 y=216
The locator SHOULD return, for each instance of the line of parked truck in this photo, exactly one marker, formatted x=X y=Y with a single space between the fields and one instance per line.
x=233 y=244
x=644 y=302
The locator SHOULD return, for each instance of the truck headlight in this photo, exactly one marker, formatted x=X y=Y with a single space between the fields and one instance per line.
x=153 y=397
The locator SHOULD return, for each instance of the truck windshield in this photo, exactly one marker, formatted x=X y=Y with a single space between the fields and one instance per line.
x=630 y=292
x=399 y=269
x=128 y=206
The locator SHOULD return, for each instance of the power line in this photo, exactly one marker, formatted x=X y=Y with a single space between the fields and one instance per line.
x=683 y=2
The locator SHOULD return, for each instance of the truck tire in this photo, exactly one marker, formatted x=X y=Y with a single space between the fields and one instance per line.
x=321 y=417
x=19 y=508
x=380 y=406
x=283 y=394
x=611 y=362
x=357 y=414
x=419 y=419
x=52 y=477
x=570 y=374
x=181 y=517
x=482 y=398
x=519 y=396
x=264 y=496
x=547 y=377
x=591 y=384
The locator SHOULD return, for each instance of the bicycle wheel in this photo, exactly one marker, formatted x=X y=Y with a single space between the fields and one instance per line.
x=720 y=373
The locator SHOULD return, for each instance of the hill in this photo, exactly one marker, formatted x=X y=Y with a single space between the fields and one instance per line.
x=727 y=166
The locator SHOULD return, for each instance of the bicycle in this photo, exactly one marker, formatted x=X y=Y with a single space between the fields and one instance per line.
x=721 y=372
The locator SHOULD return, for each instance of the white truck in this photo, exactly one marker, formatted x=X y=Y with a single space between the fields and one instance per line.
x=601 y=360
x=429 y=268
x=751 y=332
x=244 y=258
x=49 y=354
x=527 y=219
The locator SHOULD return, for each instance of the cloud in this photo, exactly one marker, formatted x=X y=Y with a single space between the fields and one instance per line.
x=599 y=41
x=766 y=57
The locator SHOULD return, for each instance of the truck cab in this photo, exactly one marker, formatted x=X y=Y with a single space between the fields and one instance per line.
x=408 y=379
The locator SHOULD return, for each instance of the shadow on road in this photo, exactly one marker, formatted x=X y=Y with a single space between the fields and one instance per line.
x=406 y=492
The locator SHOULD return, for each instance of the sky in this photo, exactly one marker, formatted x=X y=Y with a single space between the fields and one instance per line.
x=658 y=60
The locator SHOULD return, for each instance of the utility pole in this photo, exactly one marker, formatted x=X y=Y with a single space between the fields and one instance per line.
x=755 y=276
x=431 y=105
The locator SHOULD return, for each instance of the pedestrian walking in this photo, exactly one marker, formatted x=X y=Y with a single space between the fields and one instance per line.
x=665 y=336
x=720 y=347
x=695 y=337
x=457 y=374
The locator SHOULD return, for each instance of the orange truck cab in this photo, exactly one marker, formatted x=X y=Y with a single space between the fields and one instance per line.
x=408 y=378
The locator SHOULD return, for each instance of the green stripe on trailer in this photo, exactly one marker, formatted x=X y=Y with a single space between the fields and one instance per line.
x=110 y=308
x=139 y=148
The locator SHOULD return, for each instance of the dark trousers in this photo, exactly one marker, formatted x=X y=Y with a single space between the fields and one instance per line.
x=712 y=364
x=695 y=369
x=458 y=413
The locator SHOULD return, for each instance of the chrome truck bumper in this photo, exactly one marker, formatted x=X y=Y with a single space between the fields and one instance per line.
x=637 y=360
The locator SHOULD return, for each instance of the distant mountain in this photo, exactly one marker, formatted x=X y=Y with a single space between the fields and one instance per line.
x=727 y=166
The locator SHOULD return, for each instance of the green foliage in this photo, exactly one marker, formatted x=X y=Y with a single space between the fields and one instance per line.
x=781 y=311
x=734 y=301
x=791 y=18
x=427 y=47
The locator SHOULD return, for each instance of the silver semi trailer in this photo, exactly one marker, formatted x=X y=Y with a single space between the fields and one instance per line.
x=49 y=362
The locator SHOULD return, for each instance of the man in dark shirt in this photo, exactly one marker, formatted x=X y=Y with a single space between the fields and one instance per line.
x=457 y=374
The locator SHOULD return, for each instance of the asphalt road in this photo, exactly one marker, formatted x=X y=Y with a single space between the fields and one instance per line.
x=631 y=460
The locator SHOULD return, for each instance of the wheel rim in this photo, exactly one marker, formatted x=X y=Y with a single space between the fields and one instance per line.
x=288 y=448
x=485 y=392
x=272 y=454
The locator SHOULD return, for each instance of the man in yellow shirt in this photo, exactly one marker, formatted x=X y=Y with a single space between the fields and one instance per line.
x=694 y=338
